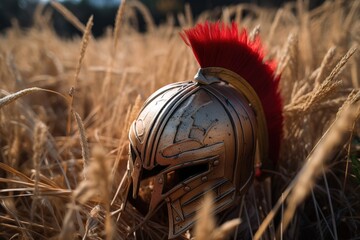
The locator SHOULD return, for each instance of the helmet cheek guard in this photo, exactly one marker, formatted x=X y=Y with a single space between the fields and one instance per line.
x=191 y=138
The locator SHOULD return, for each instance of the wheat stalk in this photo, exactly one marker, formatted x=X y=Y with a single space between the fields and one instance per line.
x=38 y=149
x=206 y=222
x=68 y=15
x=329 y=84
x=84 y=44
x=150 y=25
x=205 y=227
x=324 y=64
x=254 y=33
x=274 y=25
x=189 y=15
x=84 y=143
x=14 y=96
x=119 y=16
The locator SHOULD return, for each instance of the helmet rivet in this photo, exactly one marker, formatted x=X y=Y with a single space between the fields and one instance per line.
x=160 y=180
x=177 y=218
x=216 y=162
x=187 y=188
x=204 y=178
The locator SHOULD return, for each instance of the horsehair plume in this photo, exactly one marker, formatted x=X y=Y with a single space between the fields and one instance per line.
x=221 y=45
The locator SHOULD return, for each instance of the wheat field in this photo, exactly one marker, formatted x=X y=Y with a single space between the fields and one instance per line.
x=66 y=106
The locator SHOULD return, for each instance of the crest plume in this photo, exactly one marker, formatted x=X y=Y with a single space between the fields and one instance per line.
x=220 y=45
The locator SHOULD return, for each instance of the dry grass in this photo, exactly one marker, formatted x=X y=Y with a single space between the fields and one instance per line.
x=43 y=191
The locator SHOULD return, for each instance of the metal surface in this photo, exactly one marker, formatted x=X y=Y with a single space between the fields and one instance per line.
x=191 y=138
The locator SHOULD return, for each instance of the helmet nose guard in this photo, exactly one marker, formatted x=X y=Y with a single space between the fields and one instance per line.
x=191 y=138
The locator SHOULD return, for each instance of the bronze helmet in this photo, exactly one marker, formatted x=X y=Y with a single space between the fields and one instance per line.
x=208 y=134
x=194 y=137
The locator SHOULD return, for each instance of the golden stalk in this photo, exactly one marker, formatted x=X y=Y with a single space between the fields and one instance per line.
x=68 y=15
x=84 y=44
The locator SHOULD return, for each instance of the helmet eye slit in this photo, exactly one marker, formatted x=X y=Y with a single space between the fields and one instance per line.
x=178 y=176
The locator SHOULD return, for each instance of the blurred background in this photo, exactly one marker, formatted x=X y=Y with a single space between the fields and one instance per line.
x=21 y=11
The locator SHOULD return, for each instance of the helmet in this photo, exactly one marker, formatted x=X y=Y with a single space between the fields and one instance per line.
x=191 y=138
x=206 y=135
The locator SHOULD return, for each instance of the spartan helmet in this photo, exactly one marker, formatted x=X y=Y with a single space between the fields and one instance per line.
x=192 y=138
x=206 y=135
